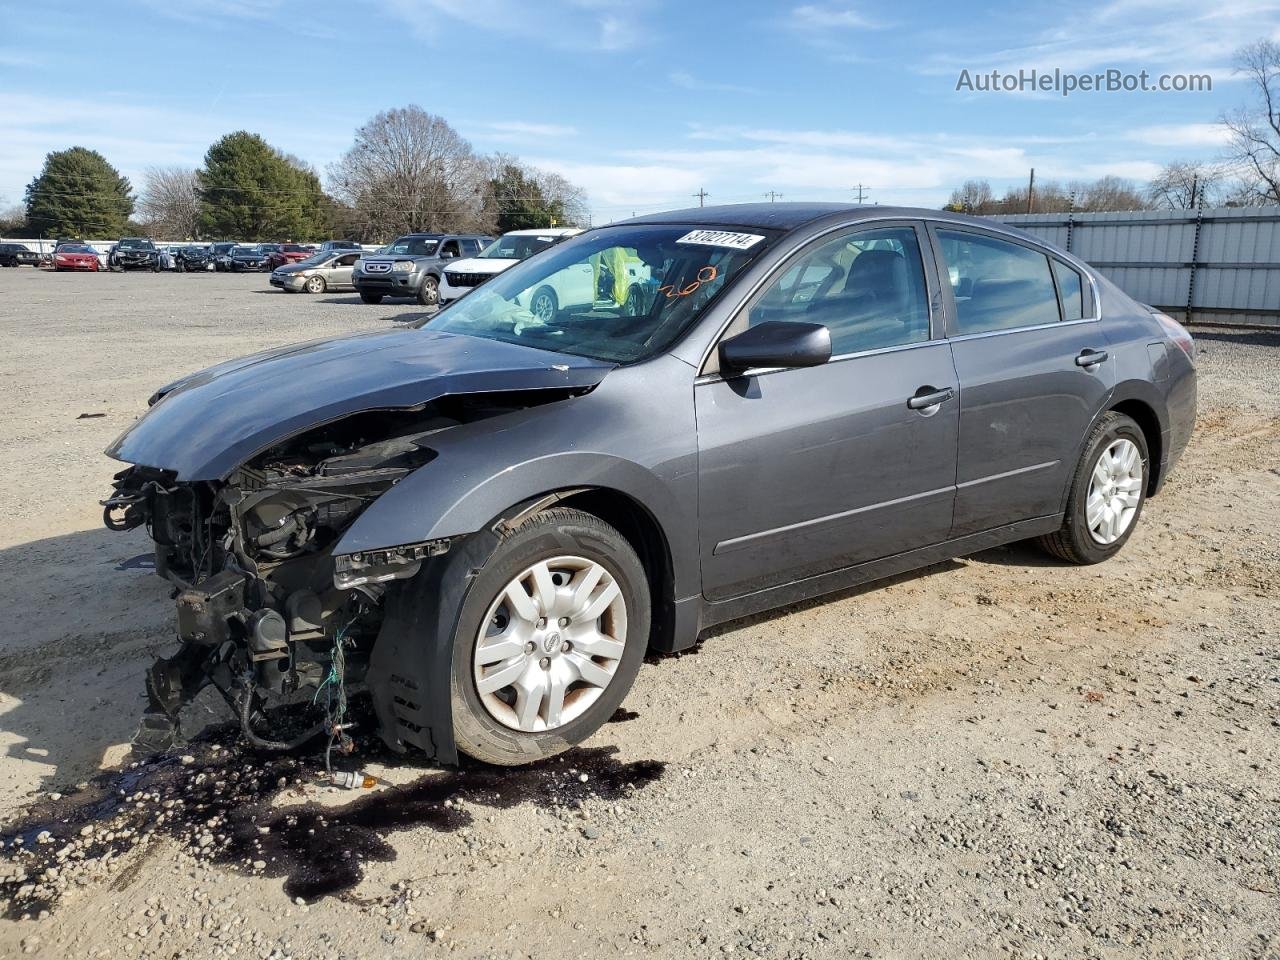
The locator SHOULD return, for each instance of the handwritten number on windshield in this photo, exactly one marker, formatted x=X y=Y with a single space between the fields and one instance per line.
x=705 y=275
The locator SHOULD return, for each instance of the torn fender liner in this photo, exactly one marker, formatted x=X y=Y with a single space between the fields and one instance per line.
x=410 y=666
x=206 y=425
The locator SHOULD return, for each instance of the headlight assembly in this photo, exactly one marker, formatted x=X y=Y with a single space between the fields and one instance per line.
x=403 y=266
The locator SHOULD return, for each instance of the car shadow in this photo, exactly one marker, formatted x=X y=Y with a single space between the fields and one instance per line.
x=85 y=616
x=1243 y=337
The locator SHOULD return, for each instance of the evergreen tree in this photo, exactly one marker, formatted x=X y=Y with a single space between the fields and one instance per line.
x=78 y=194
x=251 y=191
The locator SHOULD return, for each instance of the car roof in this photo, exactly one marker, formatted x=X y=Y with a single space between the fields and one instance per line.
x=790 y=216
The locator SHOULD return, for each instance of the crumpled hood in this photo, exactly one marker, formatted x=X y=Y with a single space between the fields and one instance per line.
x=205 y=425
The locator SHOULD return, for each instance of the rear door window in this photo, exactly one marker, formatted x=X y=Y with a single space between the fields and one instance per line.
x=997 y=284
x=1070 y=290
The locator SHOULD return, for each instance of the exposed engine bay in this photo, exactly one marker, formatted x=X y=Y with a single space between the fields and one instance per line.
x=266 y=612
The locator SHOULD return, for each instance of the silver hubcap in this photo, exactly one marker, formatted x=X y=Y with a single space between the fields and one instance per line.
x=1115 y=489
x=550 y=644
x=542 y=308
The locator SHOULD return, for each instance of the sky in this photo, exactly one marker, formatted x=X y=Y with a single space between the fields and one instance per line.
x=641 y=102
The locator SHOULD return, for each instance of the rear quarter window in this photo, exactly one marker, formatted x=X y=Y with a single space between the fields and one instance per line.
x=1071 y=290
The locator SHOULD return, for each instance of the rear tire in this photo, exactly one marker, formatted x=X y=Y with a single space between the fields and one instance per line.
x=1108 y=492
x=370 y=297
x=544 y=305
x=570 y=654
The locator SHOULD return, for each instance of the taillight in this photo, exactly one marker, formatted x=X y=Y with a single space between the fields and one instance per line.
x=1177 y=333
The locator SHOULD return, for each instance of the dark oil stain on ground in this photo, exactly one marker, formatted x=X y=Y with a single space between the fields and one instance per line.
x=219 y=806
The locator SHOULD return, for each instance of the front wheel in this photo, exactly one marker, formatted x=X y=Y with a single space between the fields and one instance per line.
x=549 y=639
x=429 y=292
x=1108 y=491
x=544 y=305
x=315 y=285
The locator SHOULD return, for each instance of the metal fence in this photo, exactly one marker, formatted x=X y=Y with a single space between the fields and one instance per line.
x=1219 y=266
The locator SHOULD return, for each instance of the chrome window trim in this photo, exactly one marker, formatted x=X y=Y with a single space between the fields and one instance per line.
x=706 y=378
x=983 y=334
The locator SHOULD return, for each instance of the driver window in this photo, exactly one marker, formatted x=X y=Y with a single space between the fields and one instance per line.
x=867 y=287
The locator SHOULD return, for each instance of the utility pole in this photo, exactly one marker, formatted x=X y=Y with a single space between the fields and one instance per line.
x=773 y=195
x=1031 y=189
x=862 y=192
x=702 y=197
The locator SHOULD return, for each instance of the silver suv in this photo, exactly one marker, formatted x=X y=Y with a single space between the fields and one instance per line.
x=412 y=266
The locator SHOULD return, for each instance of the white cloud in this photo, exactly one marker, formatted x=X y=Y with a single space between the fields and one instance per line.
x=563 y=24
x=1189 y=135
x=521 y=130
x=687 y=81
x=810 y=16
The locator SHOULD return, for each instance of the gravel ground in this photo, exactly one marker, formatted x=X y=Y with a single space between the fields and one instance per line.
x=998 y=756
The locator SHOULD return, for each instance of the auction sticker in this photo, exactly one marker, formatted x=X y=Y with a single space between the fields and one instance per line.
x=722 y=238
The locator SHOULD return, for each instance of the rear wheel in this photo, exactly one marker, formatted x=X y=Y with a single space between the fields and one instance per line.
x=549 y=640
x=1107 y=493
x=315 y=285
x=370 y=297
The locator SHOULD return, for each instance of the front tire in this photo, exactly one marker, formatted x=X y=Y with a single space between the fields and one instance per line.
x=315 y=285
x=370 y=297
x=544 y=305
x=1108 y=491
x=429 y=292
x=549 y=639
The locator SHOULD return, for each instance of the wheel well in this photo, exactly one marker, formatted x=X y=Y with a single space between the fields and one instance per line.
x=642 y=531
x=1145 y=417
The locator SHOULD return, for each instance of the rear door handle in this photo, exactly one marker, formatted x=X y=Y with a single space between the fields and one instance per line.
x=1091 y=358
x=927 y=397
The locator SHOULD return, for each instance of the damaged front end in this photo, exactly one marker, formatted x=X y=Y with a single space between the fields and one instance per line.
x=266 y=612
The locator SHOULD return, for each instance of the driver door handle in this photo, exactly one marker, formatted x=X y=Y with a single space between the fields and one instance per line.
x=1091 y=358
x=927 y=397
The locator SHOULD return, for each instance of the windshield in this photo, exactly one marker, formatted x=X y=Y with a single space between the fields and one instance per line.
x=620 y=294
x=513 y=247
x=413 y=247
x=314 y=260
x=76 y=248
x=293 y=248
x=244 y=251
x=137 y=245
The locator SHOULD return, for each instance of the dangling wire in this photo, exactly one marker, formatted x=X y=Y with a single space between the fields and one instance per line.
x=334 y=687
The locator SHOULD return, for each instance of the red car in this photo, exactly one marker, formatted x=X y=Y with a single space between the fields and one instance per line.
x=76 y=256
x=288 y=253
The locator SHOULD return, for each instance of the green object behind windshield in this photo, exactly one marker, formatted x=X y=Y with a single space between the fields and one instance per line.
x=619 y=293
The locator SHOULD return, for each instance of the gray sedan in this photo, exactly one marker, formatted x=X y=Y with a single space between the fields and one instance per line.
x=487 y=519
x=329 y=270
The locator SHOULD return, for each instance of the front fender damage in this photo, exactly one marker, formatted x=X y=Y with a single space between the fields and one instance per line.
x=282 y=627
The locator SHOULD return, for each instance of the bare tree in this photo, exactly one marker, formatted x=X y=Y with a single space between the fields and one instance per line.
x=170 y=202
x=1108 y=193
x=562 y=194
x=1254 y=132
x=1185 y=185
x=974 y=196
x=409 y=170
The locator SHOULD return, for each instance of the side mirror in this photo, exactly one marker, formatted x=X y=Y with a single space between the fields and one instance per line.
x=776 y=344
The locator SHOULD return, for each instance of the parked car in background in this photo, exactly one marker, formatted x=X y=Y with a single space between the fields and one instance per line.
x=329 y=270
x=76 y=256
x=192 y=258
x=508 y=250
x=818 y=396
x=412 y=266
x=339 y=245
x=18 y=255
x=246 y=259
x=133 y=253
x=221 y=254
x=288 y=253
